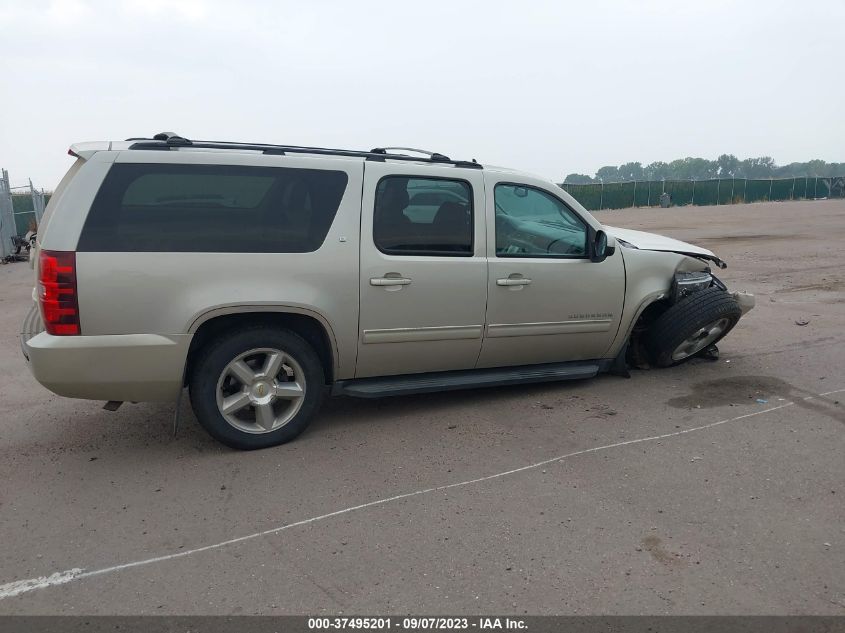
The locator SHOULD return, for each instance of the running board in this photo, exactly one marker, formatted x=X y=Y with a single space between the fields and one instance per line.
x=467 y=379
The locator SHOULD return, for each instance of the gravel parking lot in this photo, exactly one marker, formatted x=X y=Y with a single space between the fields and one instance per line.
x=715 y=487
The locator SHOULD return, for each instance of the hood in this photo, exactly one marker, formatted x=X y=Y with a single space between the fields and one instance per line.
x=655 y=242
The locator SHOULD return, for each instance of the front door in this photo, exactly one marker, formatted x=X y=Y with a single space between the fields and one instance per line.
x=547 y=302
x=423 y=285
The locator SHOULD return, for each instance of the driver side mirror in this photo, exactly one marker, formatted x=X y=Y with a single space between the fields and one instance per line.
x=599 y=249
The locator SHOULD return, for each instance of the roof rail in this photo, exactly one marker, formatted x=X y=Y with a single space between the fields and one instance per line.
x=434 y=156
x=168 y=140
x=171 y=138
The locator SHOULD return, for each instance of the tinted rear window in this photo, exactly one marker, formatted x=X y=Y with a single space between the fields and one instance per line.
x=423 y=216
x=212 y=209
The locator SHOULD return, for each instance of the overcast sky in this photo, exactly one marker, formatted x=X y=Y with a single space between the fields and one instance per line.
x=548 y=87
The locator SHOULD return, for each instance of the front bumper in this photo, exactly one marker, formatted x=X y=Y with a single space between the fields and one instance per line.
x=745 y=300
x=126 y=367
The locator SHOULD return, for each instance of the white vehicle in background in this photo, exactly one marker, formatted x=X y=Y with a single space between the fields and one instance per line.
x=264 y=277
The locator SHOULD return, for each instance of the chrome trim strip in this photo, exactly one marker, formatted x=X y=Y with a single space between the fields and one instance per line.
x=415 y=334
x=495 y=330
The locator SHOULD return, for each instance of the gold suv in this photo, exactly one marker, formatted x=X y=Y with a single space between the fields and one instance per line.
x=264 y=277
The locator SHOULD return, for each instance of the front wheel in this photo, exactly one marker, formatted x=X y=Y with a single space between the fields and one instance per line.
x=692 y=325
x=257 y=388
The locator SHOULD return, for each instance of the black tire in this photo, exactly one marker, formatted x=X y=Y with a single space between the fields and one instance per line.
x=682 y=321
x=219 y=353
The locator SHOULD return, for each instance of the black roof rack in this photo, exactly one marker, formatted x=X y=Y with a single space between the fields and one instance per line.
x=169 y=140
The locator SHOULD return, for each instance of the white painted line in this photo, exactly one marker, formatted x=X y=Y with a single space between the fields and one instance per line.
x=19 y=587
x=22 y=586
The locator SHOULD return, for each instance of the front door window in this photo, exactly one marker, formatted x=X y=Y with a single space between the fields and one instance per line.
x=533 y=223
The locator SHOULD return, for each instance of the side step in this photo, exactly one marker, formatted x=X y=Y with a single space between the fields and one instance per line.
x=467 y=379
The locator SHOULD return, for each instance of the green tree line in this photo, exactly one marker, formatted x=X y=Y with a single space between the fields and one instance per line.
x=726 y=166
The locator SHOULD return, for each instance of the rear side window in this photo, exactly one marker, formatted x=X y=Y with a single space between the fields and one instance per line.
x=212 y=209
x=423 y=216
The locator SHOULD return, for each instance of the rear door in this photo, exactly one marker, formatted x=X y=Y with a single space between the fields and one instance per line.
x=547 y=302
x=423 y=283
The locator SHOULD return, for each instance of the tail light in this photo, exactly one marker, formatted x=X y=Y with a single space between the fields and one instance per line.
x=57 y=292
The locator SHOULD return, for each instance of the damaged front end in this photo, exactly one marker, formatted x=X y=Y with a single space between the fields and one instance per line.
x=654 y=262
x=685 y=284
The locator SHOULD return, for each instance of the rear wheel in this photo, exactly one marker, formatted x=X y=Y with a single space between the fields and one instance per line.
x=257 y=388
x=692 y=325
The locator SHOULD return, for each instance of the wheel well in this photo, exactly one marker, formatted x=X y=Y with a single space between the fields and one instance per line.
x=637 y=355
x=305 y=326
x=651 y=313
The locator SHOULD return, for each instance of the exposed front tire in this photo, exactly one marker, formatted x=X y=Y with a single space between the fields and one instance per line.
x=691 y=325
x=256 y=388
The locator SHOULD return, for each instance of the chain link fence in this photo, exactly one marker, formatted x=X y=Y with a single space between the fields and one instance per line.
x=28 y=209
x=21 y=209
x=647 y=193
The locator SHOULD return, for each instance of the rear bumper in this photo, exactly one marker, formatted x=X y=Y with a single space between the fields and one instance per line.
x=31 y=326
x=130 y=367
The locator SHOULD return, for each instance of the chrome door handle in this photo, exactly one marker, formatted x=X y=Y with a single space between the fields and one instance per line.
x=389 y=281
x=513 y=282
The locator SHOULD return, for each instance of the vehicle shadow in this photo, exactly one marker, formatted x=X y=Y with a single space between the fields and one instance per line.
x=79 y=427
x=344 y=411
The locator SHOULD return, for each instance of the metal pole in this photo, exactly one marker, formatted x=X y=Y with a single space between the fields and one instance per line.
x=816 y=188
x=732 y=190
x=37 y=202
x=692 y=200
x=771 y=182
x=792 y=195
x=601 y=195
x=745 y=192
x=718 y=188
x=806 y=184
x=648 y=195
x=634 y=200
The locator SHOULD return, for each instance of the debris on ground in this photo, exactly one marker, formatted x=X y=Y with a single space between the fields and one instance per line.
x=711 y=353
x=802 y=321
x=762 y=401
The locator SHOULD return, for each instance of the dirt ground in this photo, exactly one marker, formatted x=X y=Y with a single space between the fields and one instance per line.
x=714 y=487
